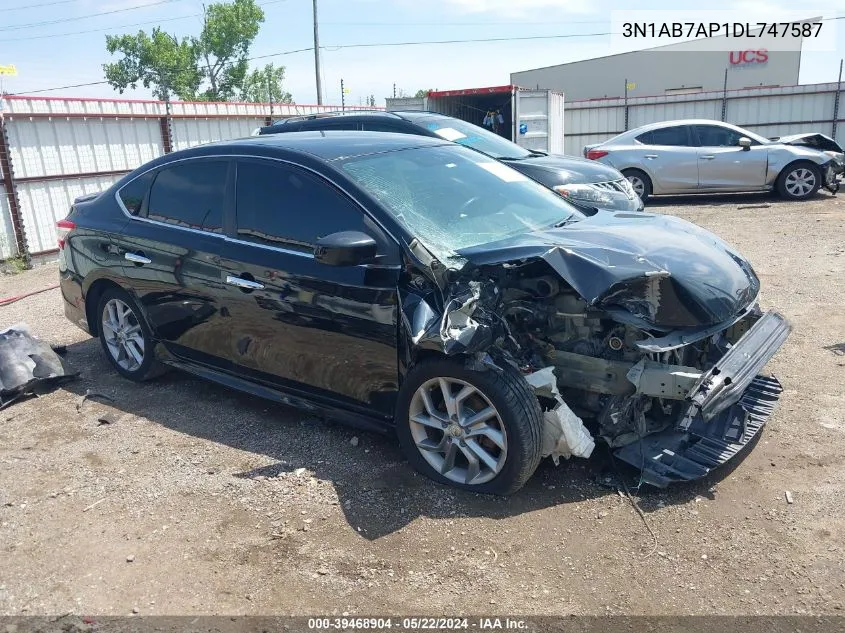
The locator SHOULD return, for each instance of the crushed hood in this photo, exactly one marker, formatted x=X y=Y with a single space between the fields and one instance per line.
x=663 y=271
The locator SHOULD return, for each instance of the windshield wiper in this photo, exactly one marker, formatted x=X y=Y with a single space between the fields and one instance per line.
x=568 y=220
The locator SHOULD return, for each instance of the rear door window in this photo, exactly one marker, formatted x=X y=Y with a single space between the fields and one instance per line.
x=677 y=135
x=190 y=194
x=716 y=136
x=281 y=205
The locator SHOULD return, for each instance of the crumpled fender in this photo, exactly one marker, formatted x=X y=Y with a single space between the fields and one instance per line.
x=668 y=272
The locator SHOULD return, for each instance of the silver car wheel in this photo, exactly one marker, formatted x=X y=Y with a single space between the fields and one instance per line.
x=458 y=431
x=123 y=335
x=637 y=185
x=800 y=182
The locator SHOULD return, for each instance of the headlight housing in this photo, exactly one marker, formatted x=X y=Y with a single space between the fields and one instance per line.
x=616 y=195
x=586 y=193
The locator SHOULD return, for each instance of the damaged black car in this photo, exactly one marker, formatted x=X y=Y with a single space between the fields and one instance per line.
x=417 y=287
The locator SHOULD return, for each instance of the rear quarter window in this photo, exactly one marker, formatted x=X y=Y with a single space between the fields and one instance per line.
x=645 y=139
x=133 y=193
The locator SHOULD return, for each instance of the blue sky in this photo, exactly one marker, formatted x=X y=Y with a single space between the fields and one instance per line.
x=48 y=55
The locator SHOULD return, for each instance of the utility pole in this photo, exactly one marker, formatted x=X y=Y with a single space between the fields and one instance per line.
x=317 y=58
x=342 y=97
x=394 y=91
x=270 y=94
x=836 y=99
x=626 y=104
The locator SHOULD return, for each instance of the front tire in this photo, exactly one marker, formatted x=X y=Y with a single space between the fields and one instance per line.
x=124 y=336
x=799 y=181
x=640 y=182
x=476 y=430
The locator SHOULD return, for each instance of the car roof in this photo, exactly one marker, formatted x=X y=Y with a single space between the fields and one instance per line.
x=325 y=144
x=379 y=114
x=409 y=116
x=660 y=124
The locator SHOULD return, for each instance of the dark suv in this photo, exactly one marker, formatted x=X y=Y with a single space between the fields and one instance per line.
x=582 y=182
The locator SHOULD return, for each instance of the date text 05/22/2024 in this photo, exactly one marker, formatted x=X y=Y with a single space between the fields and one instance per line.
x=416 y=624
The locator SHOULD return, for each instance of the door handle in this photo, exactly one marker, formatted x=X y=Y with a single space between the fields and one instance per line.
x=651 y=156
x=246 y=284
x=707 y=157
x=137 y=258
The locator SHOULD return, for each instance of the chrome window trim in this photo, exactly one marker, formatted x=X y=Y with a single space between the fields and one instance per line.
x=234 y=240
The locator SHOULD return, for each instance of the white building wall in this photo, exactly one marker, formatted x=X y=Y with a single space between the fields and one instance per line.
x=7 y=233
x=766 y=111
x=44 y=203
x=681 y=66
x=190 y=132
x=63 y=146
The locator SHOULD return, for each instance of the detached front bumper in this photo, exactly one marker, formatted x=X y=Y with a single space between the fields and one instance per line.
x=831 y=176
x=727 y=408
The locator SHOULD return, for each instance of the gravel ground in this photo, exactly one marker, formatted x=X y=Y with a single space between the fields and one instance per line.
x=194 y=499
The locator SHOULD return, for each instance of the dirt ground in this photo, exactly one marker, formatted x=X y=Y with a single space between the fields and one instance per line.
x=199 y=500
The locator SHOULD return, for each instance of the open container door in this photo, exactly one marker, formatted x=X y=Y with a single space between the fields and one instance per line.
x=474 y=104
x=538 y=120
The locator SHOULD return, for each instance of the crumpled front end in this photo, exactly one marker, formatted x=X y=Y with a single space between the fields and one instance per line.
x=723 y=410
x=653 y=346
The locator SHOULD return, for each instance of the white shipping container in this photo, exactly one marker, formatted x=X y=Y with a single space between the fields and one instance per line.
x=534 y=119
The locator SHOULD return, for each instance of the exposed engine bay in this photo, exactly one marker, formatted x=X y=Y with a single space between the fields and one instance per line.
x=627 y=392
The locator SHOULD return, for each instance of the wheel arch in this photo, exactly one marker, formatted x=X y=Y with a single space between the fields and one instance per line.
x=92 y=299
x=645 y=172
x=794 y=163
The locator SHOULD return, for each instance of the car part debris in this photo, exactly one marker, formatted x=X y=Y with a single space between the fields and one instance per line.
x=91 y=394
x=564 y=434
x=93 y=505
x=27 y=365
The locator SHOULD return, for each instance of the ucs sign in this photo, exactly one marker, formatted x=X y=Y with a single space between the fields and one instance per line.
x=760 y=56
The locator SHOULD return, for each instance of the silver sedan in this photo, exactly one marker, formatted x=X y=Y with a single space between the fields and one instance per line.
x=701 y=156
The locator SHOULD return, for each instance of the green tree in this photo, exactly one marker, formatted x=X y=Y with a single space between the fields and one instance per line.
x=423 y=93
x=227 y=35
x=262 y=84
x=159 y=61
x=211 y=67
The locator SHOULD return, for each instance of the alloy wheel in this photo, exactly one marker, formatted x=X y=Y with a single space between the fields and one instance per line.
x=123 y=335
x=637 y=185
x=800 y=182
x=458 y=431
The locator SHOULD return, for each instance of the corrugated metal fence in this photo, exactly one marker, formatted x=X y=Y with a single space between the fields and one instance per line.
x=766 y=111
x=53 y=150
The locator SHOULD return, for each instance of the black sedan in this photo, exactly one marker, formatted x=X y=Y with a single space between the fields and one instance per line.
x=585 y=183
x=411 y=285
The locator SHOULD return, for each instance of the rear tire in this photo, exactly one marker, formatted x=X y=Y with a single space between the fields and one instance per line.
x=125 y=338
x=640 y=182
x=799 y=181
x=486 y=439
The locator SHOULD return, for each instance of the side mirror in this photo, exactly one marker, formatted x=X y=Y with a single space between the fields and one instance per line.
x=745 y=143
x=346 y=248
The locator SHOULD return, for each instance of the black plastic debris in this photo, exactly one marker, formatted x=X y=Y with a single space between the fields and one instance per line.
x=28 y=366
